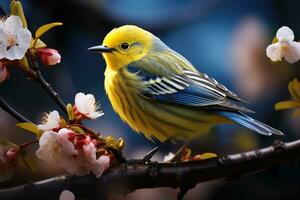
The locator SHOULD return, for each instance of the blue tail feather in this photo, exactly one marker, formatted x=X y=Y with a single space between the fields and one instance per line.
x=250 y=123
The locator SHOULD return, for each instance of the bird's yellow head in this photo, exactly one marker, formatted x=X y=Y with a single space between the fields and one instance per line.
x=124 y=45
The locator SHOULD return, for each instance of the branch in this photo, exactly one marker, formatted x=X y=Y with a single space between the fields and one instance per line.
x=12 y=111
x=39 y=78
x=127 y=178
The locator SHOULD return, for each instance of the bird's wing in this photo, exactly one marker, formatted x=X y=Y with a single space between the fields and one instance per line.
x=203 y=78
x=185 y=88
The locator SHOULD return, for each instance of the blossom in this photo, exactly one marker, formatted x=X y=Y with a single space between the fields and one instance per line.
x=97 y=166
x=168 y=157
x=3 y=72
x=285 y=46
x=50 y=121
x=14 y=38
x=6 y=167
x=87 y=106
x=67 y=195
x=76 y=153
x=49 y=56
x=55 y=147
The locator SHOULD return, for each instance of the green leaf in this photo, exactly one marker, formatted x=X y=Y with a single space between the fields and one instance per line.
x=208 y=155
x=28 y=126
x=17 y=9
x=24 y=63
x=294 y=89
x=43 y=29
x=286 y=105
x=275 y=40
x=7 y=144
x=37 y=43
x=70 y=111
x=27 y=161
x=77 y=129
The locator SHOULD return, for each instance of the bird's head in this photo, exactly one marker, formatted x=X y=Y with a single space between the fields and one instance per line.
x=124 y=45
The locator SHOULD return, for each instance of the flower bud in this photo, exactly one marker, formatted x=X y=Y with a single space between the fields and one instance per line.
x=48 y=56
x=3 y=72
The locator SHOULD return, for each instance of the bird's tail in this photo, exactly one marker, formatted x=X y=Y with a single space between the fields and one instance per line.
x=250 y=123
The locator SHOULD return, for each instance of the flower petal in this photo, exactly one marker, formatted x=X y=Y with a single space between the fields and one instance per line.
x=66 y=145
x=15 y=52
x=292 y=53
x=51 y=121
x=67 y=195
x=285 y=34
x=100 y=165
x=90 y=151
x=13 y=23
x=24 y=38
x=274 y=52
x=80 y=103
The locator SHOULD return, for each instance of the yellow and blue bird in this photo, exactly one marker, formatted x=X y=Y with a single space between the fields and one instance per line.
x=159 y=93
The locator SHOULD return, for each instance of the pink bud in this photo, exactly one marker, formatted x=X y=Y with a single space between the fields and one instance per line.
x=48 y=56
x=11 y=154
x=3 y=72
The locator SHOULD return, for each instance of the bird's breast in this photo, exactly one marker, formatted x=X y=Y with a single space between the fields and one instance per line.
x=123 y=96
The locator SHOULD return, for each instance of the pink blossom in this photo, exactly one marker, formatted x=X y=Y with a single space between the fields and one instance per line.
x=98 y=166
x=76 y=153
x=49 y=56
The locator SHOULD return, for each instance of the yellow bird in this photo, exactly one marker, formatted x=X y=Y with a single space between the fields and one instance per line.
x=159 y=93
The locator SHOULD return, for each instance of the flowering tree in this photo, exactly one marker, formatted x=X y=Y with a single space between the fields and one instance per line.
x=65 y=142
x=86 y=155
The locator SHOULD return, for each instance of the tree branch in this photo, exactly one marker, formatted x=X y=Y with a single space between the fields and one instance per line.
x=39 y=78
x=12 y=111
x=127 y=178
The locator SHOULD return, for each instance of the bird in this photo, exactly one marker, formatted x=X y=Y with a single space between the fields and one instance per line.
x=160 y=94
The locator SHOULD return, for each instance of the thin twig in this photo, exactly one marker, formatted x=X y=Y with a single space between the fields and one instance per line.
x=12 y=111
x=39 y=78
x=127 y=178
x=26 y=144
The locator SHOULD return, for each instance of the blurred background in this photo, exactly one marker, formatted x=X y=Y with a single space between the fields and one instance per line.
x=225 y=39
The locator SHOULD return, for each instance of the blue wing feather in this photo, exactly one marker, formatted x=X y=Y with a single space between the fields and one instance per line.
x=176 y=89
x=192 y=95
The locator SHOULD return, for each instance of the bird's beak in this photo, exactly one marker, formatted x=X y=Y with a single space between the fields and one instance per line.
x=100 y=49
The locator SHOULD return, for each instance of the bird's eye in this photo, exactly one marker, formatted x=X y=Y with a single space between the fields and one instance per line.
x=125 y=45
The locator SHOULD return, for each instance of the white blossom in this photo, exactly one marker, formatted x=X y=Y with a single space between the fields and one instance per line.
x=87 y=106
x=67 y=195
x=6 y=169
x=50 y=121
x=285 y=46
x=55 y=148
x=168 y=157
x=14 y=38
